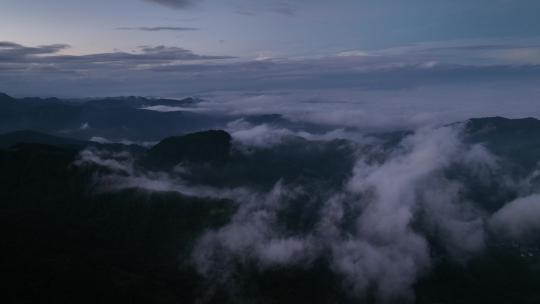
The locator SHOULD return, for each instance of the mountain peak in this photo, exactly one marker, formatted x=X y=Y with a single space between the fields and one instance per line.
x=504 y=124
x=4 y=97
x=205 y=146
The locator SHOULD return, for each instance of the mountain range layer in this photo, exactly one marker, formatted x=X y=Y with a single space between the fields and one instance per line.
x=265 y=214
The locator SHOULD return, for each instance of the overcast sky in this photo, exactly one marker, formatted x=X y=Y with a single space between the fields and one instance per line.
x=352 y=48
x=251 y=28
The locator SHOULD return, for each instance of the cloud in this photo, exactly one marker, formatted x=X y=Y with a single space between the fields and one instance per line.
x=146 y=54
x=26 y=63
x=261 y=136
x=375 y=231
x=175 y=4
x=517 y=52
x=116 y=162
x=374 y=110
x=158 y=28
x=268 y=136
x=380 y=250
x=12 y=52
x=284 y=8
x=103 y=140
x=519 y=218
x=400 y=89
x=251 y=234
x=354 y=53
x=230 y=90
x=280 y=8
x=386 y=250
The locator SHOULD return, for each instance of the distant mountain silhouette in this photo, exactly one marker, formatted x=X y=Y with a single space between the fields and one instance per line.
x=26 y=136
x=113 y=118
x=138 y=102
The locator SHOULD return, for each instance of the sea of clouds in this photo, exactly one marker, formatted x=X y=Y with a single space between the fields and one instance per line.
x=374 y=230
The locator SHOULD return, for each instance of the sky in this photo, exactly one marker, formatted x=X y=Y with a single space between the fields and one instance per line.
x=422 y=52
x=262 y=28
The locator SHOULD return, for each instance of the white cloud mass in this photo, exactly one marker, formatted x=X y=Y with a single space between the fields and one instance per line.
x=374 y=230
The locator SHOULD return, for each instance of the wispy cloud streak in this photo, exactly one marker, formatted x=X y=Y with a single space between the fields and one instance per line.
x=158 y=28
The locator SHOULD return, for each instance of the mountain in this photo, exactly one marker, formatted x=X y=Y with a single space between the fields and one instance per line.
x=113 y=118
x=516 y=140
x=208 y=146
x=74 y=231
x=5 y=97
x=64 y=241
x=132 y=118
x=141 y=102
x=26 y=136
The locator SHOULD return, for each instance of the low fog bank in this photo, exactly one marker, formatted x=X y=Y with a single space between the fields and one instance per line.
x=313 y=114
x=394 y=204
x=375 y=110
